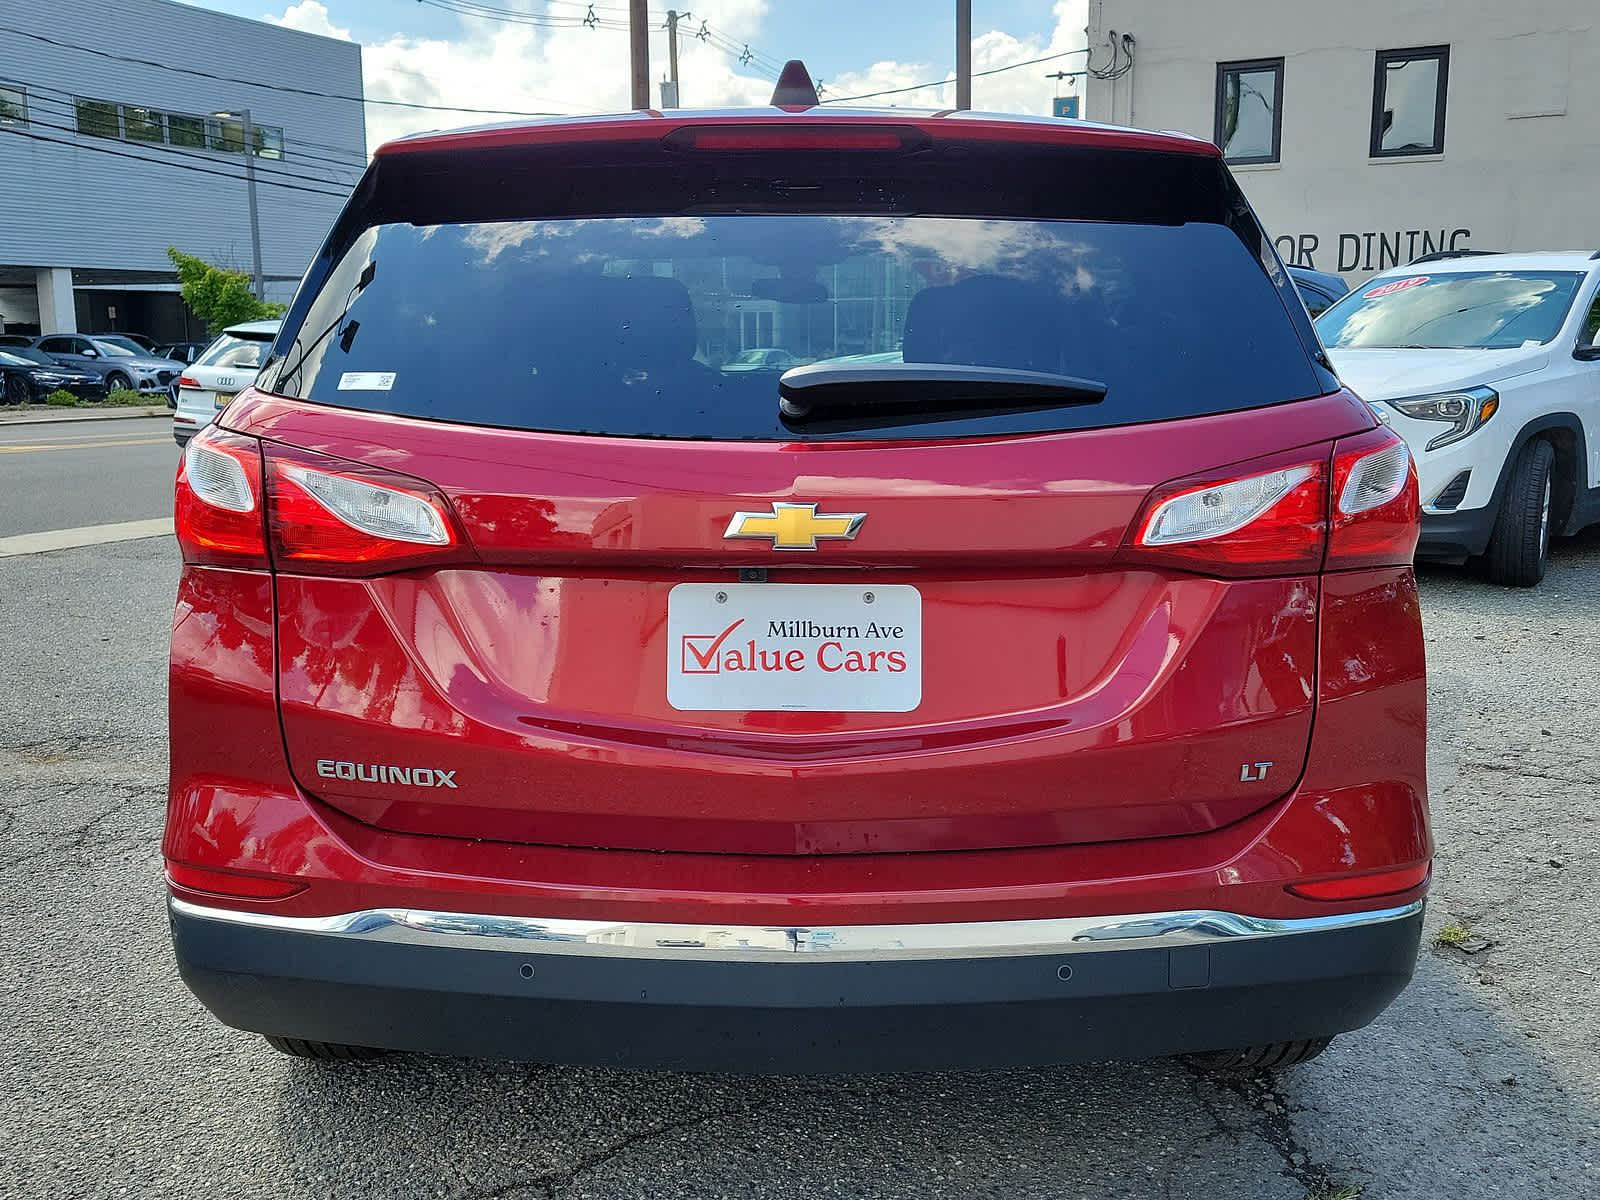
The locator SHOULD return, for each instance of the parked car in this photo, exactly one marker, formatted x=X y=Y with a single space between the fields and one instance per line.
x=11 y=340
x=136 y=342
x=538 y=689
x=27 y=376
x=227 y=367
x=184 y=352
x=114 y=362
x=1489 y=367
x=1318 y=289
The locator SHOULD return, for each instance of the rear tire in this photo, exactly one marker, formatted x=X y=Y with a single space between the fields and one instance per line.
x=1258 y=1058
x=321 y=1051
x=1520 y=544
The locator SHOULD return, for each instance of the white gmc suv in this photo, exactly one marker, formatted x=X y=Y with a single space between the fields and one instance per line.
x=1489 y=366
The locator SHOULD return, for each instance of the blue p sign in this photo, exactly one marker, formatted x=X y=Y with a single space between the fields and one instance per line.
x=1065 y=106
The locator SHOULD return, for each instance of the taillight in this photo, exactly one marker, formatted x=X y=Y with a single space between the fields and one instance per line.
x=229 y=883
x=1258 y=519
x=190 y=382
x=218 y=500
x=1376 y=513
x=344 y=518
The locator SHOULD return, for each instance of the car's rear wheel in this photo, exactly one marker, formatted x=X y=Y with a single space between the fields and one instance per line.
x=117 y=380
x=1259 y=1058
x=321 y=1051
x=1520 y=543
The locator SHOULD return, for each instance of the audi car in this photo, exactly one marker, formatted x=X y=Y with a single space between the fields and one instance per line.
x=225 y=369
x=27 y=376
x=1034 y=675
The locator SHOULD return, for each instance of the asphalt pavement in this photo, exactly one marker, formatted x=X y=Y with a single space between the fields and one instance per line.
x=71 y=474
x=1481 y=1081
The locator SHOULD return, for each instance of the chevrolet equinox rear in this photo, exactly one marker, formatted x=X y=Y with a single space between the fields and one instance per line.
x=797 y=590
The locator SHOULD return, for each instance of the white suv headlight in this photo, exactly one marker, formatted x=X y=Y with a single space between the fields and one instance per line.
x=1464 y=411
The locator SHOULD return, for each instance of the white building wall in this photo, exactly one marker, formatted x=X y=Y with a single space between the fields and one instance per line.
x=1521 y=162
x=82 y=205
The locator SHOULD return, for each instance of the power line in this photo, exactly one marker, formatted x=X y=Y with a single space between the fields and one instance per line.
x=914 y=87
x=64 y=108
x=40 y=137
x=272 y=87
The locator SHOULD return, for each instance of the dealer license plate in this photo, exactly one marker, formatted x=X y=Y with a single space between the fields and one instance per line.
x=770 y=647
x=224 y=398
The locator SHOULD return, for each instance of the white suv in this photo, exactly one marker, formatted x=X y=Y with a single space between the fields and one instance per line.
x=223 y=369
x=1489 y=366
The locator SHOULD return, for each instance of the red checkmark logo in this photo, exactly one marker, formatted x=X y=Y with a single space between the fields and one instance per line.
x=702 y=649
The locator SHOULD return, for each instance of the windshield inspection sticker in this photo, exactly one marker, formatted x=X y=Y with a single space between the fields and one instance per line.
x=1395 y=285
x=366 y=381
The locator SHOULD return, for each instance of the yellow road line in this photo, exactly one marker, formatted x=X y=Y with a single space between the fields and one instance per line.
x=29 y=449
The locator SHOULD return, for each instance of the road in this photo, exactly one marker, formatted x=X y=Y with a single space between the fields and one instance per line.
x=1480 y=1082
x=71 y=474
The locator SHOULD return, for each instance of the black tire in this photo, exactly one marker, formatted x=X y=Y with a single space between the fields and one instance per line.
x=117 y=380
x=1520 y=543
x=321 y=1051
x=1259 y=1058
x=16 y=391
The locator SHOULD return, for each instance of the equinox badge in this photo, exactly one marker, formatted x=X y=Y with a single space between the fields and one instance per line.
x=426 y=777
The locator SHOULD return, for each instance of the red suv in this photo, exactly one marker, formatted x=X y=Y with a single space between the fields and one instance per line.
x=1033 y=673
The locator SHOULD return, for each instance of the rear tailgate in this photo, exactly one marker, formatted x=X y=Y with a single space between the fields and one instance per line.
x=633 y=646
x=1062 y=697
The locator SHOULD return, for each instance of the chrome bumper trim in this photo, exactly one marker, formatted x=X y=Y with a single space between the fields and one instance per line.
x=835 y=943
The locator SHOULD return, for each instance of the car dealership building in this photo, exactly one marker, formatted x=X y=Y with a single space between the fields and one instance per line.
x=122 y=132
x=1368 y=133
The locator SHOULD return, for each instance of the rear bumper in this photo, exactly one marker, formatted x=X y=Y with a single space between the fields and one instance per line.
x=847 y=998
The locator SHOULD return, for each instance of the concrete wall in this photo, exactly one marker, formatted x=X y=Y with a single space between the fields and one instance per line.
x=78 y=205
x=1521 y=162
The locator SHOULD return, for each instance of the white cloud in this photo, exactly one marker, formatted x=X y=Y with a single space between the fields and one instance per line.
x=1024 y=90
x=535 y=68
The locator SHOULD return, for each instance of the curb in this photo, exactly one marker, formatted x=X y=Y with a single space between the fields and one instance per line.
x=80 y=418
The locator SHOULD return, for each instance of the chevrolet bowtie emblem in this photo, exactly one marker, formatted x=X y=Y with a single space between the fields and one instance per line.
x=794 y=526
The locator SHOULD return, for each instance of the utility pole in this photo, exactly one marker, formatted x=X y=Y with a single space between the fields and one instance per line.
x=669 y=92
x=639 y=40
x=963 y=54
x=249 y=134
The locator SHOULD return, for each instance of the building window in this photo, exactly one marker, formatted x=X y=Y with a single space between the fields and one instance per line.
x=1408 y=97
x=186 y=131
x=269 y=142
x=13 y=105
x=143 y=125
x=1249 y=125
x=98 y=118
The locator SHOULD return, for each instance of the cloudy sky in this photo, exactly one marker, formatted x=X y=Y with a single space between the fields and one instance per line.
x=570 y=56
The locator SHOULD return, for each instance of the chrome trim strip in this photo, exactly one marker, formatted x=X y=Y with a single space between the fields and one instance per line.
x=1062 y=935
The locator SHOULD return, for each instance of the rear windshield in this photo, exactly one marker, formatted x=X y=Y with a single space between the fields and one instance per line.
x=230 y=350
x=681 y=326
x=1460 y=310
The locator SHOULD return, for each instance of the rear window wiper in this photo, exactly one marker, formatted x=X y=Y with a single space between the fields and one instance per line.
x=895 y=391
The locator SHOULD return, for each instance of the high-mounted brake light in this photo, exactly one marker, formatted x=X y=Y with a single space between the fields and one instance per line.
x=217 y=501
x=1269 y=519
x=792 y=139
x=345 y=518
x=1376 y=512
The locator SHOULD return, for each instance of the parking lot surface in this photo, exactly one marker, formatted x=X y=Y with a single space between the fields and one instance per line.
x=1481 y=1081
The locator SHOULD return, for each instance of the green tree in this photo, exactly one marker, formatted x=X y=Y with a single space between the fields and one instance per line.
x=218 y=297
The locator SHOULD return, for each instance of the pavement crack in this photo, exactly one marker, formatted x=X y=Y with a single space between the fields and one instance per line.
x=1273 y=1123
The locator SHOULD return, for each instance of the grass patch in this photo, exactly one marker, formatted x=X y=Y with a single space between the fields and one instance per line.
x=1454 y=934
x=61 y=398
x=127 y=398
